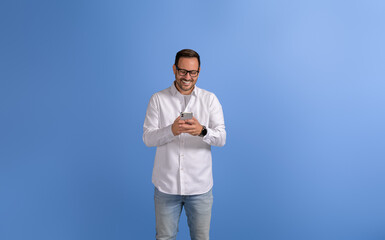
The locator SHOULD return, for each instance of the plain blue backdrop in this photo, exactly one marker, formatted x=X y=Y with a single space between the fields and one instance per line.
x=302 y=88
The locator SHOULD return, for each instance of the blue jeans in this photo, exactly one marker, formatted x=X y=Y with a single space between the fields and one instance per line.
x=169 y=207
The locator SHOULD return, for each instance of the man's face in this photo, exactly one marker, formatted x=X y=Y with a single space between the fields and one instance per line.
x=185 y=84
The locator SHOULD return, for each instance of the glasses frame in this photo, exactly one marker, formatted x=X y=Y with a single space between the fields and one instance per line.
x=187 y=71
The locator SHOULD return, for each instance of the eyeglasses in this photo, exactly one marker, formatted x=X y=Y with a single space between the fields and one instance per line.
x=183 y=72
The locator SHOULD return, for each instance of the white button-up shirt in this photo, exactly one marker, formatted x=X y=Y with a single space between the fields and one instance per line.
x=183 y=163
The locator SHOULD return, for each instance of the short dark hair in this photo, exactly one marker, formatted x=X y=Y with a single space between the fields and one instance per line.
x=189 y=53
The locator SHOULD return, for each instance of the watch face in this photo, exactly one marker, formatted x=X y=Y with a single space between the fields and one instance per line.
x=204 y=132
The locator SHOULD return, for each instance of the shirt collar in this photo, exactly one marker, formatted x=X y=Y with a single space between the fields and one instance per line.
x=174 y=90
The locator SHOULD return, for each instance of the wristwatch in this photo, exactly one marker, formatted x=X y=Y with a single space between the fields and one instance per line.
x=204 y=131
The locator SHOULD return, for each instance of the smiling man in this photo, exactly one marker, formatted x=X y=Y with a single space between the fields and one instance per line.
x=182 y=172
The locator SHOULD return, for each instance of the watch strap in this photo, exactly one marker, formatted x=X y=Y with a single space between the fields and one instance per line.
x=203 y=132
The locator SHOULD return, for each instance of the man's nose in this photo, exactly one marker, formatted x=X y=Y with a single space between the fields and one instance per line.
x=188 y=76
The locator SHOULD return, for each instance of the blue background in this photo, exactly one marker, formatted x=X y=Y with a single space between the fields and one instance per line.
x=302 y=88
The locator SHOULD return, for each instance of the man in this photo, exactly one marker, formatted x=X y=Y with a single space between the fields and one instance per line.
x=182 y=172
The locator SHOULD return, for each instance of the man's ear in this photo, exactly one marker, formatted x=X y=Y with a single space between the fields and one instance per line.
x=174 y=68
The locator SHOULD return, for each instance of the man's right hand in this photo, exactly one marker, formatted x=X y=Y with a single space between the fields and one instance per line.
x=177 y=126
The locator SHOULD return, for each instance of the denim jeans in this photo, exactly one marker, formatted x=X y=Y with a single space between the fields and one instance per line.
x=169 y=207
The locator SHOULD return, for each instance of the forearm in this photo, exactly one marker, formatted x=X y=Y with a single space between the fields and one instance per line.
x=157 y=137
x=215 y=136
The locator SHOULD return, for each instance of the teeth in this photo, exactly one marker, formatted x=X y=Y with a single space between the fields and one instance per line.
x=186 y=81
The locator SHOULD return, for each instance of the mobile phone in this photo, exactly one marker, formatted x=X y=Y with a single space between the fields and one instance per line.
x=186 y=115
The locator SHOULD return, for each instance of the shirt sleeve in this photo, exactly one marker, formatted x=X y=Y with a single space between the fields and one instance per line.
x=153 y=136
x=216 y=133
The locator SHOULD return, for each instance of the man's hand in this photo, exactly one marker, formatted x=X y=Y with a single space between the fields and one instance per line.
x=192 y=126
x=176 y=126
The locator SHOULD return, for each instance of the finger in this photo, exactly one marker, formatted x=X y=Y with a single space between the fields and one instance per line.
x=190 y=121
x=195 y=120
x=192 y=132
x=187 y=126
x=189 y=131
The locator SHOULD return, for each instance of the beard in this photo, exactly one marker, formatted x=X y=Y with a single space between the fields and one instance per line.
x=184 y=88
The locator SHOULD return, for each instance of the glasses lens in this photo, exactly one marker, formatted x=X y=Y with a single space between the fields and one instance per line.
x=193 y=73
x=182 y=72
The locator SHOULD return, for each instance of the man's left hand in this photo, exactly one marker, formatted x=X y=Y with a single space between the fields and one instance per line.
x=191 y=126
